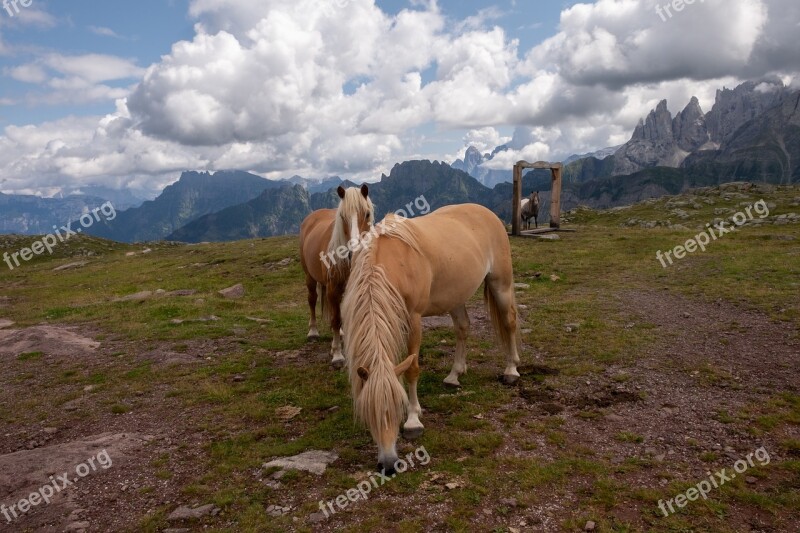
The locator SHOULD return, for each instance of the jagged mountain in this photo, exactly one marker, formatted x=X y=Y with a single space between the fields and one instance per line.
x=661 y=140
x=32 y=215
x=473 y=164
x=766 y=148
x=195 y=194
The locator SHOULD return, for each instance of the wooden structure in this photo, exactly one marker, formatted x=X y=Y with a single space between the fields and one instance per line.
x=556 y=170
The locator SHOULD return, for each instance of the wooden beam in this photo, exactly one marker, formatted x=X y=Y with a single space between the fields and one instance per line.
x=539 y=164
x=555 y=198
x=515 y=220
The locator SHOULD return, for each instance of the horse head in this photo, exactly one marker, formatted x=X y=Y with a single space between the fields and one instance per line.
x=354 y=217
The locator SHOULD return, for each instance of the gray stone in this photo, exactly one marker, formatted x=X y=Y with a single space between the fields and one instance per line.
x=137 y=297
x=71 y=266
x=313 y=461
x=188 y=513
x=233 y=293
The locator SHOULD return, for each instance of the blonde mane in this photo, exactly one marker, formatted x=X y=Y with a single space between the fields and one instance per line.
x=352 y=204
x=376 y=328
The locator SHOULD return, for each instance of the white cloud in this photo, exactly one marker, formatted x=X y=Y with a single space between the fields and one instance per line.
x=103 y=31
x=319 y=87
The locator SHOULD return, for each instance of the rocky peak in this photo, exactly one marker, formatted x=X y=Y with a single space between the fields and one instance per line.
x=689 y=127
x=657 y=126
x=733 y=108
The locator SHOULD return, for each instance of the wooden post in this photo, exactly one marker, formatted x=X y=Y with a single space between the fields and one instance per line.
x=555 y=198
x=515 y=229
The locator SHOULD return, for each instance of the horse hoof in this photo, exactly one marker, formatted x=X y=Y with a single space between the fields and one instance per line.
x=412 y=433
x=312 y=338
x=450 y=385
x=509 y=379
x=337 y=364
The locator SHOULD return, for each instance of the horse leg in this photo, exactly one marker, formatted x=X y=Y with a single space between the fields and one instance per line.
x=413 y=428
x=334 y=306
x=311 y=285
x=461 y=325
x=504 y=317
x=536 y=221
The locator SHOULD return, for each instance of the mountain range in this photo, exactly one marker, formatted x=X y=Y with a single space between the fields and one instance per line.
x=751 y=133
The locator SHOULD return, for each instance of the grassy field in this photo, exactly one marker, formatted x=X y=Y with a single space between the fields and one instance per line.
x=583 y=438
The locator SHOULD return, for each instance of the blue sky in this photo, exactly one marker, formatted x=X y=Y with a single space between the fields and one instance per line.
x=352 y=87
x=146 y=29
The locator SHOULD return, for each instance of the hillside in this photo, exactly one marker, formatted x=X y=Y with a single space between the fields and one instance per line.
x=636 y=380
x=274 y=212
x=195 y=194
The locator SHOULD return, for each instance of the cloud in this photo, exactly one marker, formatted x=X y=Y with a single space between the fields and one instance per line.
x=320 y=87
x=104 y=32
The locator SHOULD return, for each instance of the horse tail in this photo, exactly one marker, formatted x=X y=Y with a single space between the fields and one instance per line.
x=495 y=311
x=326 y=312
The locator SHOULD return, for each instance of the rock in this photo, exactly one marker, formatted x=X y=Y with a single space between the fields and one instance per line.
x=233 y=293
x=238 y=378
x=572 y=327
x=522 y=286
x=509 y=502
x=130 y=254
x=590 y=526
x=313 y=461
x=554 y=277
x=73 y=405
x=277 y=510
x=182 y=292
x=316 y=518
x=452 y=486
x=146 y=251
x=77 y=526
x=71 y=266
x=5 y=323
x=258 y=320
x=210 y=318
x=137 y=297
x=751 y=480
x=280 y=264
x=187 y=513
x=288 y=412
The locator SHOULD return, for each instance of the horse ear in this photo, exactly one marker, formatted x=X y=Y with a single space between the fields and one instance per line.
x=364 y=190
x=402 y=367
x=340 y=192
x=363 y=373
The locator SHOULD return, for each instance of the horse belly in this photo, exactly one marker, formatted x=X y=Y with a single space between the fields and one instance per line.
x=457 y=275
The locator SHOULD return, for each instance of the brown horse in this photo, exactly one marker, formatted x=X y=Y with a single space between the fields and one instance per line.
x=530 y=210
x=421 y=267
x=327 y=239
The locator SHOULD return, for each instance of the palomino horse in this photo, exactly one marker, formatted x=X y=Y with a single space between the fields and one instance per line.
x=326 y=242
x=421 y=267
x=530 y=210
